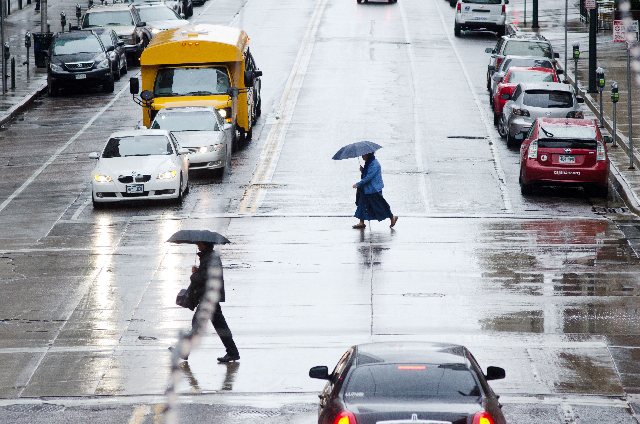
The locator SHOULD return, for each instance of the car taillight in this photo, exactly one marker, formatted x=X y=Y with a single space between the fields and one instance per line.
x=483 y=418
x=521 y=112
x=575 y=114
x=459 y=8
x=345 y=417
x=504 y=9
x=498 y=62
x=600 y=155
x=533 y=151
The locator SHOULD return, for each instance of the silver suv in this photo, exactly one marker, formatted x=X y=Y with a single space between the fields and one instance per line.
x=518 y=44
x=536 y=100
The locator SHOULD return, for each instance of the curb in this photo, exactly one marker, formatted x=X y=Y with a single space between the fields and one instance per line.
x=20 y=106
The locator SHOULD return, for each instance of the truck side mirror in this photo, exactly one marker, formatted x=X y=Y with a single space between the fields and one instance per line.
x=134 y=85
x=257 y=73
x=141 y=24
x=146 y=95
x=248 y=78
x=556 y=55
x=232 y=92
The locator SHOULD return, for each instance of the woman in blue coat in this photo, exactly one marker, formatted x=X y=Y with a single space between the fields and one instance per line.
x=371 y=204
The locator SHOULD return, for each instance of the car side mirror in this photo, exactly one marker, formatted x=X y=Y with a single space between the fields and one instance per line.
x=94 y=155
x=488 y=50
x=111 y=48
x=506 y=96
x=607 y=139
x=134 y=85
x=120 y=43
x=321 y=373
x=232 y=92
x=183 y=151
x=492 y=68
x=248 y=78
x=506 y=1
x=141 y=24
x=579 y=99
x=559 y=72
x=556 y=55
x=227 y=126
x=495 y=373
x=497 y=77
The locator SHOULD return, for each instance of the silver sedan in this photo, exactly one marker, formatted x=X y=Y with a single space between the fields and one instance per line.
x=536 y=100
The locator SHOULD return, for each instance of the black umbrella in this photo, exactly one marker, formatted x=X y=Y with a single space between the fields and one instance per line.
x=196 y=236
x=355 y=150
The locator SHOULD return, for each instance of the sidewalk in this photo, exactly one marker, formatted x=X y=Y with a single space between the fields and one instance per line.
x=612 y=58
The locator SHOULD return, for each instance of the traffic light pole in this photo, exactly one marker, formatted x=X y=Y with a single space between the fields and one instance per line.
x=593 y=52
x=4 y=62
x=534 y=23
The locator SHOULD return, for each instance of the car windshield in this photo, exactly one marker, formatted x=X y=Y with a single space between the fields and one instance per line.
x=106 y=39
x=157 y=13
x=140 y=145
x=77 y=45
x=186 y=121
x=530 y=63
x=447 y=381
x=548 y=99
x=108 y=18
x=567 y=144
x=530 y=76
x=191 y=81
x=527 y=48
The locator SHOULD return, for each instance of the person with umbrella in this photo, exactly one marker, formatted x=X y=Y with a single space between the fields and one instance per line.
x=371 y=204
x=205 y=241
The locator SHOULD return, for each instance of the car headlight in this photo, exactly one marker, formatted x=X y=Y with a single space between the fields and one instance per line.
x=203 y=149
x=167 y=175
x=102 y=178
x=226 y=114
x=103 y=64
x=55 y=68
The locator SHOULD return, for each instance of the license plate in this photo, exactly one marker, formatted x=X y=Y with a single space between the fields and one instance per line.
x=81 y=76
x=567 y=159
x=135 y=188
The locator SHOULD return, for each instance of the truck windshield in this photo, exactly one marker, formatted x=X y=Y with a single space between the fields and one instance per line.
x=108 y=18
x=191 y=82
x=186 y=121
x=77 y=45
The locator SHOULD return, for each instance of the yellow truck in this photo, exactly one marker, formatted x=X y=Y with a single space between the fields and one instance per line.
x=201 y=65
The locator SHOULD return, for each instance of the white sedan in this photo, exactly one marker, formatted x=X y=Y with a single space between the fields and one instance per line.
x=202 y=131
x=139 y=165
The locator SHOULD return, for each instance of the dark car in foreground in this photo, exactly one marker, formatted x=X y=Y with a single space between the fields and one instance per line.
x=408 y=382
x=78 y=58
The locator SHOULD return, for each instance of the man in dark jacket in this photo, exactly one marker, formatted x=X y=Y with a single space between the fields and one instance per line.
x=198 y=288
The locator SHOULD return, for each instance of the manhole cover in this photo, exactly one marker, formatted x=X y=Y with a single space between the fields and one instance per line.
x=45 y=407
x=424 y=294
x=254 y=415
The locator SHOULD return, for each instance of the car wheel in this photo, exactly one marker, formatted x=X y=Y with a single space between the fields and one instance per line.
x=452 y=3
x=259 y=108
x=180 y=197
x=502 y=127
x=191 y=10
x=496 y=119
x=96 y=205
x=598 y=191
x=511 y=141
x=116 y=73
x=490 y=99
x=456 y=30
x=109 y=86
x=359 y=1
x=502 y=31
x=125 y=68
x=52 y=90
x=525 y=189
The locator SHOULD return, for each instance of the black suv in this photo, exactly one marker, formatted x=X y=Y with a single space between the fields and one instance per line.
x=78 y=58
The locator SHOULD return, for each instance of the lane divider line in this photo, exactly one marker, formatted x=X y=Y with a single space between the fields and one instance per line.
x=61 y=149
x=417 y=110
x=502 y=179
x=270 y=155
x=139 y=412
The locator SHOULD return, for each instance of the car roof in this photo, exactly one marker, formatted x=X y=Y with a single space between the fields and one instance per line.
x=410 y=352
x=132 y=133
x=555 y=86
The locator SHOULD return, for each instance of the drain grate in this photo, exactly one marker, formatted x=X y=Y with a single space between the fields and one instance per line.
x=424 y=294
x=30 y=407
x=603 y=210
x=254 y=414
x=467 y=137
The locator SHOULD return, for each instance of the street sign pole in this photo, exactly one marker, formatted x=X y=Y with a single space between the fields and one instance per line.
x=593 y=49
x=534 y=23
x=4 y=62
x=629 y=107
x=566 y=43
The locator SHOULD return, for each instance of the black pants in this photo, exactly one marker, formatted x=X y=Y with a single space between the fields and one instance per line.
x=221 y=327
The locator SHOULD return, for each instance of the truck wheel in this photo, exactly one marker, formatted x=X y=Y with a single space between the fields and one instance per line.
x=456 y=30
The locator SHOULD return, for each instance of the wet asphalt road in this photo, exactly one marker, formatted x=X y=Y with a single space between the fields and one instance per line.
x=544 y=286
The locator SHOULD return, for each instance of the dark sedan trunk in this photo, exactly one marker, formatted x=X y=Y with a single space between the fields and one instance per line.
x=406 y=410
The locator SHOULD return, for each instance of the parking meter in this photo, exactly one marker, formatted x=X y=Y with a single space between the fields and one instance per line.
x=78 y=11
x=27 y=40
x=63 y=20
x=614 y=99
x=7 y=54
x=600 y=77
x=614 y=92
x=576 y=51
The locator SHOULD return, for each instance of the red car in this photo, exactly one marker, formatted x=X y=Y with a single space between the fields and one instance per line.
x=509 y=82
x=564 y=151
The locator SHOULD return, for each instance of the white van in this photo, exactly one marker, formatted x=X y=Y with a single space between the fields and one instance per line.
x=489 y=15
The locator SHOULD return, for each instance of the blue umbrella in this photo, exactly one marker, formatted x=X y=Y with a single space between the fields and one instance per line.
x=355 y=150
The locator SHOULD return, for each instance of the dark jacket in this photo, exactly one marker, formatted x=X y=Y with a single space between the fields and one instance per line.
x=208 y=259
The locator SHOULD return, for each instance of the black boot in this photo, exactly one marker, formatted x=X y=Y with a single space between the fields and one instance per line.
x=229 y=358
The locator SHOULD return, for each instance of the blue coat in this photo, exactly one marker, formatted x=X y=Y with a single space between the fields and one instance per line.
x=372 y=180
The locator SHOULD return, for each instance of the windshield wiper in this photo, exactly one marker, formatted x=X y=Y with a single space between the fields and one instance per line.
x=140 y=154
x=199 y=93
x=547 y=133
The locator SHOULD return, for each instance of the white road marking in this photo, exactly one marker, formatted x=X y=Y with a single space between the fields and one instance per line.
x=417 y=110
x=80 y=209
x=275 y=139
x=502 y=180
x=139 y=412
x=61 y=149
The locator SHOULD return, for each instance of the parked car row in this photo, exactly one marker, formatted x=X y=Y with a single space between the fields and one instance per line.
x=532 y=108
